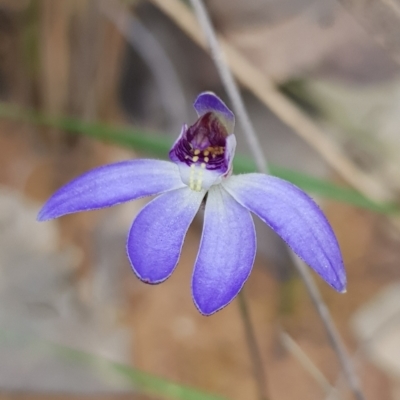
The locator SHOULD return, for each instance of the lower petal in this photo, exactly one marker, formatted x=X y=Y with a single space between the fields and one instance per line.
x=226 y=254
x=294 y=216
x=155 y=240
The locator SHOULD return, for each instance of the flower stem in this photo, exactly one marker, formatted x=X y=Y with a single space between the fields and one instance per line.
x=262 y=165
x=230 y=85
x=331 y=330
x=255 y=353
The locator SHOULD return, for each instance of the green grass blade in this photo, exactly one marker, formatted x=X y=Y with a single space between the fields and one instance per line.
x=159 y=145
x=142 y=382
x=319 y=187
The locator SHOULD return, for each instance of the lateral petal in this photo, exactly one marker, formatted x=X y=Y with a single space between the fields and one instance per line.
x=112 y=184
x=296 y=218
x=226 y=254
x=156 y=237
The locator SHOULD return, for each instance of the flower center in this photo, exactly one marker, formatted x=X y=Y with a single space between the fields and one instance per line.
x=202 y=153
x=204 y=143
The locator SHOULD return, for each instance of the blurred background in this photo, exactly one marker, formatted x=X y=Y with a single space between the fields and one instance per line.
x=89 y=82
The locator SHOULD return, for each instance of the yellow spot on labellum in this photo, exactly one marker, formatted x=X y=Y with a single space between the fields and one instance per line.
x=196 y=152
x=206 y=159
x=195 y=158
x=206 y=153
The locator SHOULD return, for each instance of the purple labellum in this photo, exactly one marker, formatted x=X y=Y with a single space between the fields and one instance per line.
x=204 y=151
x=203 y=143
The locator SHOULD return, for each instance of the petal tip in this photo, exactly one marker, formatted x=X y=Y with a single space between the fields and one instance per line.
x=205 y=310
x=145 y=279
x=43 y=216
x=49 y=212
x=334 y=278
x=340 y=284
x=39 y=218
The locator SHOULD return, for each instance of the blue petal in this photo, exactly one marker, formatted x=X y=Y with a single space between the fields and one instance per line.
x=112 y=184
x=226 y=255
x=208 y=101
x=294 y=216
x=156 y=237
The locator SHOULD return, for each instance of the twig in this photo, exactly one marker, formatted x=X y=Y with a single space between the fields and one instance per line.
x=380 y=20
x=255 y=147
x=263 y=88
x=147 y=46
x=254 y=351
x=292 y=347
x=365 y=343
x=240 y=110
x=230 y=85
x=333 y=334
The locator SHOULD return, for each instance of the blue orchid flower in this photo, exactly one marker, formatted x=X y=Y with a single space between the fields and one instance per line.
x=201 y=173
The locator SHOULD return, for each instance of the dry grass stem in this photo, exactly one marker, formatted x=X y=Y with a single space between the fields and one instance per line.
x=297 y=352
x=252 y=139
x=332 y=332
x=155 y=57
x=263 y=88
x=230 y=86
x=254 y=351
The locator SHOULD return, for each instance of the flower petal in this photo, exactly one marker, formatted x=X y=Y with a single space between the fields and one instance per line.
x=208 y=101
x=156 y=237
x=226 y=255
x=294 y=216
x=112 y=184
